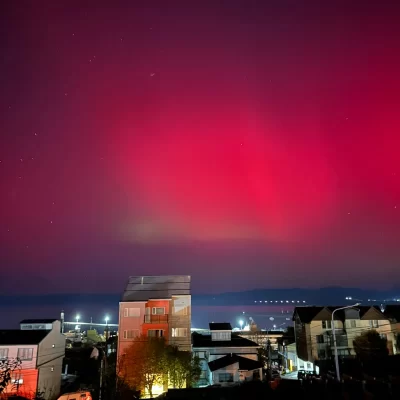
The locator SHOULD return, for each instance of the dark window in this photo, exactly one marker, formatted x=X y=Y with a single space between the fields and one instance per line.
x=320 y=338
x=155 y=333
x=225 y=377
x=321 y=354
x=327 y=324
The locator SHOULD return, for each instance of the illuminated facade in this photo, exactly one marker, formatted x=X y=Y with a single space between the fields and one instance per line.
x=313 y=330
x=156 y=306
x=225 y=357
x=41 y=352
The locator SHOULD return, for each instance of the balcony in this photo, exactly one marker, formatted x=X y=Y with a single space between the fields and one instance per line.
x=341 y=341
x=156 y=319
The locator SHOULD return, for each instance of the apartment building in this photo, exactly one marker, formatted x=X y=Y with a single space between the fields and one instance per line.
x=226 y=358
x=313 y=331
x=41 y=352
x=156 y=306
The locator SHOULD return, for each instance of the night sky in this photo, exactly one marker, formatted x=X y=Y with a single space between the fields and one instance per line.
x=246 y=143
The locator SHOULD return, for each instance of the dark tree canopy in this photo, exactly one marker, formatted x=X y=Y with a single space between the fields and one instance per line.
x=370 y=344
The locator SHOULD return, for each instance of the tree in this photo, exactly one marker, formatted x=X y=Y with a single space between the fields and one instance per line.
x=263 y=355
x=145 y=363
x=370 y=344
x=7 y=367
x=183 y=367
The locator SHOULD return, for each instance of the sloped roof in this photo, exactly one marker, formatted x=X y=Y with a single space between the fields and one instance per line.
x=245 y=364
x=200 y=340
x=220 y=326
x=23 y=337
x=38 y=321
x=307 y=314
x=392 y=312
x=143 y=288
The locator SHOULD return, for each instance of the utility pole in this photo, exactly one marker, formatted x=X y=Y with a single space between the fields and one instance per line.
x=334 y=338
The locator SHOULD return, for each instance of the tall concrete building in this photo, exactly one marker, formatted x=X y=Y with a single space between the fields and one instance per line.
x=156 y=306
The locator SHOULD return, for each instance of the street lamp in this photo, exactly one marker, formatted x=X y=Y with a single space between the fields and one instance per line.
x=77 y=318
x=334 y=337
x=241 y=324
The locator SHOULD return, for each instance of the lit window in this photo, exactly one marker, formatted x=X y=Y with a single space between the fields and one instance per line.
x=179 y=332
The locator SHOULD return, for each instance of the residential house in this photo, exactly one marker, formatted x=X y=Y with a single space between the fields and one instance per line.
x=226 y=357
x=155 y=306
x=41 y=353
x=313 y=331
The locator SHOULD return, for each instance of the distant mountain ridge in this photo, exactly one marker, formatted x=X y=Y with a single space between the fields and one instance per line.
x=322 y=296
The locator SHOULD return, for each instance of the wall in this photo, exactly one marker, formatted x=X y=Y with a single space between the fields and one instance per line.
x=181 y=317
x=50 y=359
x=129 y=323
x=163 y=323
x=28 y=387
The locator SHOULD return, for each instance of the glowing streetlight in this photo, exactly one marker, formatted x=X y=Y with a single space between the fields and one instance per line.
x=77 y=318
x=106 y=319
x=241 y=324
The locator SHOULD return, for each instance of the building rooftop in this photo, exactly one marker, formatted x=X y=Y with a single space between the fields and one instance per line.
x=392 y=311
x=245 y=364
x=38 y=321
x=220 y=326
x=199 y=340
x=17 y=336
x=307 y=314
x=143 y=288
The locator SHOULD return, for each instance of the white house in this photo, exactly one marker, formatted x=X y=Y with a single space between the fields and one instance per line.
x=41 y=353
x=226 y=358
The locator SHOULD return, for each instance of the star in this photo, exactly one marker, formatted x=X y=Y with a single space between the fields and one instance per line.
x=35 y=134
x=152 y=74
x=21 y=159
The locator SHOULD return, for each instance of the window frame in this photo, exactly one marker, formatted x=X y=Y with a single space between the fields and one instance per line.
x=153 y=310
x=127 y=312
x=225 y=374
x=174 y=332
x=155 y=330
x=23 y=349
x=5 y=350
x=128 y=336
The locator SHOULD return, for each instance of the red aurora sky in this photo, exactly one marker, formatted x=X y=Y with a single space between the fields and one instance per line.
x=246 y=143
